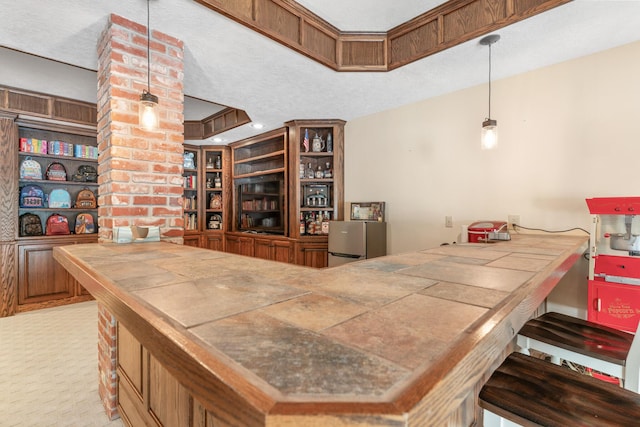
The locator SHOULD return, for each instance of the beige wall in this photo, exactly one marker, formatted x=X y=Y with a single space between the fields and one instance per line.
x=567 y=132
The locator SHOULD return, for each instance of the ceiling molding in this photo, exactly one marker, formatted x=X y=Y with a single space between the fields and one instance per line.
x=443 y=27
x=217 y=123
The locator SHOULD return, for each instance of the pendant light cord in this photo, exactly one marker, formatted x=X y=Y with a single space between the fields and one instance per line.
x=149 y=51
x=489 y=81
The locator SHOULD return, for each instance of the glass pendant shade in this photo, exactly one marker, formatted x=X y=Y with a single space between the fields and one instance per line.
x=148 y=111
x=489 y=136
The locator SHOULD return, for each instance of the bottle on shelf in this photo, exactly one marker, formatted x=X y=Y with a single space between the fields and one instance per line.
x=329 y=142
x=303 y=225
x=218 y=162
x=209 y=163
x=302 y=171
x=324 y=227
x=217 y=182
x=209 y=183
x=327 y=170
x=319 y=173
x=310 y=173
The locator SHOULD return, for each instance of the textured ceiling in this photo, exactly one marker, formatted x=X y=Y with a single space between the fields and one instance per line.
x=232 y=65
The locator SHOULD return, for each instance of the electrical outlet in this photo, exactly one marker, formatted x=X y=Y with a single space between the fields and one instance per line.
x=448 y=222
x=513 y=219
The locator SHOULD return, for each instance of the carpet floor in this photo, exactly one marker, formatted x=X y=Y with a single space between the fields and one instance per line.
x=49 y=368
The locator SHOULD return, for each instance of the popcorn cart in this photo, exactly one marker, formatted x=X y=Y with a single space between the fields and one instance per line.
x=614 y=263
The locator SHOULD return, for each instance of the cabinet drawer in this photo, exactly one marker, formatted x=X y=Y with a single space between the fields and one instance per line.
x=617 y=266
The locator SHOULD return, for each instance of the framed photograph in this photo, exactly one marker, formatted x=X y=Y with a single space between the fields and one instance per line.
x=367 y=211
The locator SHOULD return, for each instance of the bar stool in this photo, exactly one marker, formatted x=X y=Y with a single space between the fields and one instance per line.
x=589 y=344
x=532 y=392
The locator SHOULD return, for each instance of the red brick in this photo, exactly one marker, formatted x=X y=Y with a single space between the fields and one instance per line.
x=169 y=169
x=123 y=22
x=165 y=38
x=150 y=178
x=131 y=211
x=129 y=165
x=165 y=211
x=150 y=156
x=150 y=200
x=174 y=232
x=130 y=188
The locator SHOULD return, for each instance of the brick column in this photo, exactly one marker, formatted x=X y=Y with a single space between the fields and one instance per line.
x=140 y=172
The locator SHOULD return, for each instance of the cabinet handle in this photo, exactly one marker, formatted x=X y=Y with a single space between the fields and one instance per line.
x=597 y=304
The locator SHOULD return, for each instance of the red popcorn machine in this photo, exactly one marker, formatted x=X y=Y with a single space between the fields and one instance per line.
x=614 y=262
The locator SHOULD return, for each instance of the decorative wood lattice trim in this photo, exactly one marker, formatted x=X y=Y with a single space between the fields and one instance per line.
x=445 y=26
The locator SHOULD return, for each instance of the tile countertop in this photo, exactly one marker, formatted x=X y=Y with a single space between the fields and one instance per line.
x=394 y=335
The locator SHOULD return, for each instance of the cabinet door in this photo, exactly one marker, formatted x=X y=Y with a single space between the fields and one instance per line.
x=282 y=251
x=312 y=254
x=191 y=240
x=214 y=242
x=263 y=249
x=40 y=277
x=239 y=245
x=614 y=305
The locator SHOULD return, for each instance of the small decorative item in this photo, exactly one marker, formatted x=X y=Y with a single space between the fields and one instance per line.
x=318 y=144
x=209 y=183
x=330 y=143
x=215 y=222
x=305 y=142
x=216 y=201
x=327 y=171
x=188 y=162
x=209 y=163
x=319 y=173
x=367 y=211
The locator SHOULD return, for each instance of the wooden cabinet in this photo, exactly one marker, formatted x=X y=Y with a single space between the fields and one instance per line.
x=287 y=186
x=207 y=194
x=239 y=244
x=42 y=282
x=316 y=178
x=312 y=253
x=259 y=176
x=273 y=249
x=214 y=241
x=74 y=143
x=147 y=393
x=192 y=196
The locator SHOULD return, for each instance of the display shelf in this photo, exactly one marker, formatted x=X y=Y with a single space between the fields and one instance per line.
x=259 y=183
x=316 y=156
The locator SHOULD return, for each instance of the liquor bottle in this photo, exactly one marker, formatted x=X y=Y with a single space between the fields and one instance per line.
x=327 y=171
x=218 y=163
x=209 y=163
x=319 y=173
x=325 y=223
x=302 y=171
x=217 y=182
x=311 y=224
x=329 y=143
x=303 y=225
x=310 y=173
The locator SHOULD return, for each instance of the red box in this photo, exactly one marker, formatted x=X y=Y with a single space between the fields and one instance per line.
x=479 y=231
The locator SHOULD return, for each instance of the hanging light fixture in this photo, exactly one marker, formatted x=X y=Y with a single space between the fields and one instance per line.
x=489 y=135
x=148 y=108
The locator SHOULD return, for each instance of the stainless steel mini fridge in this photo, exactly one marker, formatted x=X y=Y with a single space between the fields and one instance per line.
x=356 y=240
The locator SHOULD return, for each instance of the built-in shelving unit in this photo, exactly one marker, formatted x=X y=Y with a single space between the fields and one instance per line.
x=259 y=183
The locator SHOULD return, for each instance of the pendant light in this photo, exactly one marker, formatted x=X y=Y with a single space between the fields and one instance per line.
x=148 y=108
x=489 y=135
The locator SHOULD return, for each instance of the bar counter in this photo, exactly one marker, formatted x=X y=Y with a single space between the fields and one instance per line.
x=402 y=340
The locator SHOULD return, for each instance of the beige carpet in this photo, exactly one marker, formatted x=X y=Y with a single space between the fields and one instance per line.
x=48 y=368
